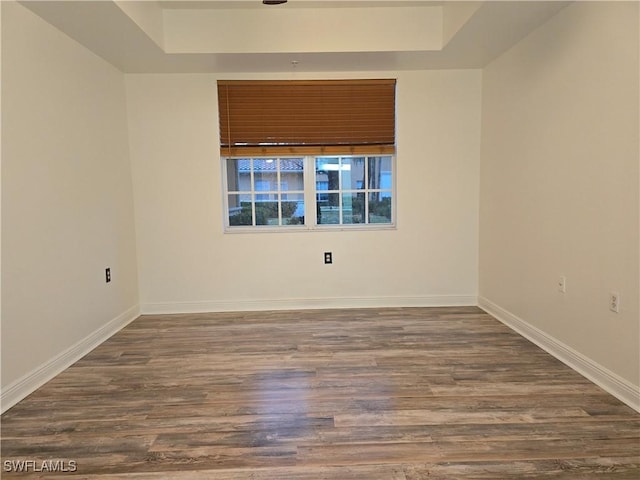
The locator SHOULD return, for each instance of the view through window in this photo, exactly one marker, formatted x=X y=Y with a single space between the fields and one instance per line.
x=344 y=191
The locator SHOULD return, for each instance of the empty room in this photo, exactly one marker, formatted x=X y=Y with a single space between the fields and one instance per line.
x=333 y=240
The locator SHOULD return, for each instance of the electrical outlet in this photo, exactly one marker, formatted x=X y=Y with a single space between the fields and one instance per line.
x=614 y=302
x=562 y=284
x=328 y=257
x=107 y=274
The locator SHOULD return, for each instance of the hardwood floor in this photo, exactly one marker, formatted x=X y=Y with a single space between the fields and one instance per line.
x=394 y=394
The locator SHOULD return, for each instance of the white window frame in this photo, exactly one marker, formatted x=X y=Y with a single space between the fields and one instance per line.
x=309 y=195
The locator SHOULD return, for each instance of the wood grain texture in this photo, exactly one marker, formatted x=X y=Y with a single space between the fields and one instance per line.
x=397 y=394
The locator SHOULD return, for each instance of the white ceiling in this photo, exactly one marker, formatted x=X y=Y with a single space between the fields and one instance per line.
x=133 y=41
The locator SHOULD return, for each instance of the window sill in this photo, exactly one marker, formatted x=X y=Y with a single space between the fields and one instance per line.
x=315 y=228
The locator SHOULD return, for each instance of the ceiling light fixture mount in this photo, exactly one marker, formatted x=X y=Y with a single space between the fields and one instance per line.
x=274 y=2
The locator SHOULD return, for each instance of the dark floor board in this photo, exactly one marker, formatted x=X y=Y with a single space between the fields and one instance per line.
x=389 y=394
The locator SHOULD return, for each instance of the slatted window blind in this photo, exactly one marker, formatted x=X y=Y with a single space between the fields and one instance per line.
x=306 y=117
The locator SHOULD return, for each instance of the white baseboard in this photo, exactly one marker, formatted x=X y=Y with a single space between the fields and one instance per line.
x=620 y=388
x=309 y=303
x=22 y=387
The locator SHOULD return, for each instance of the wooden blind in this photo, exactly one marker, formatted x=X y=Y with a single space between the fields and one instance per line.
x=306 y=117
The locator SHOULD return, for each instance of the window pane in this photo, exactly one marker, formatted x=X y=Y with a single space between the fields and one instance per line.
x=292 y=206
x=380 y=207
x=240 y=210
x=353 y=208
x=327 y=170
x=267 y=209
x=292 y=174
x=380 y=173
x=235 y=172
x=266 y=197
x=352 y=171
x=328 y=208
x=265 y=174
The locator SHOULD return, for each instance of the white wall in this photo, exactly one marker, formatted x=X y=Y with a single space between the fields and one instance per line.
x=67 y=209
x=559 y=186
x=187 y=263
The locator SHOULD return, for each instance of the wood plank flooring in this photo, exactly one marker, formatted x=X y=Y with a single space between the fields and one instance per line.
x=390 y=394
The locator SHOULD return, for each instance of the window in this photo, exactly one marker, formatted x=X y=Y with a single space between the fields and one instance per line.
x=307 y=154
x=280 y=183
x=343 y=191
x=353 y=190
